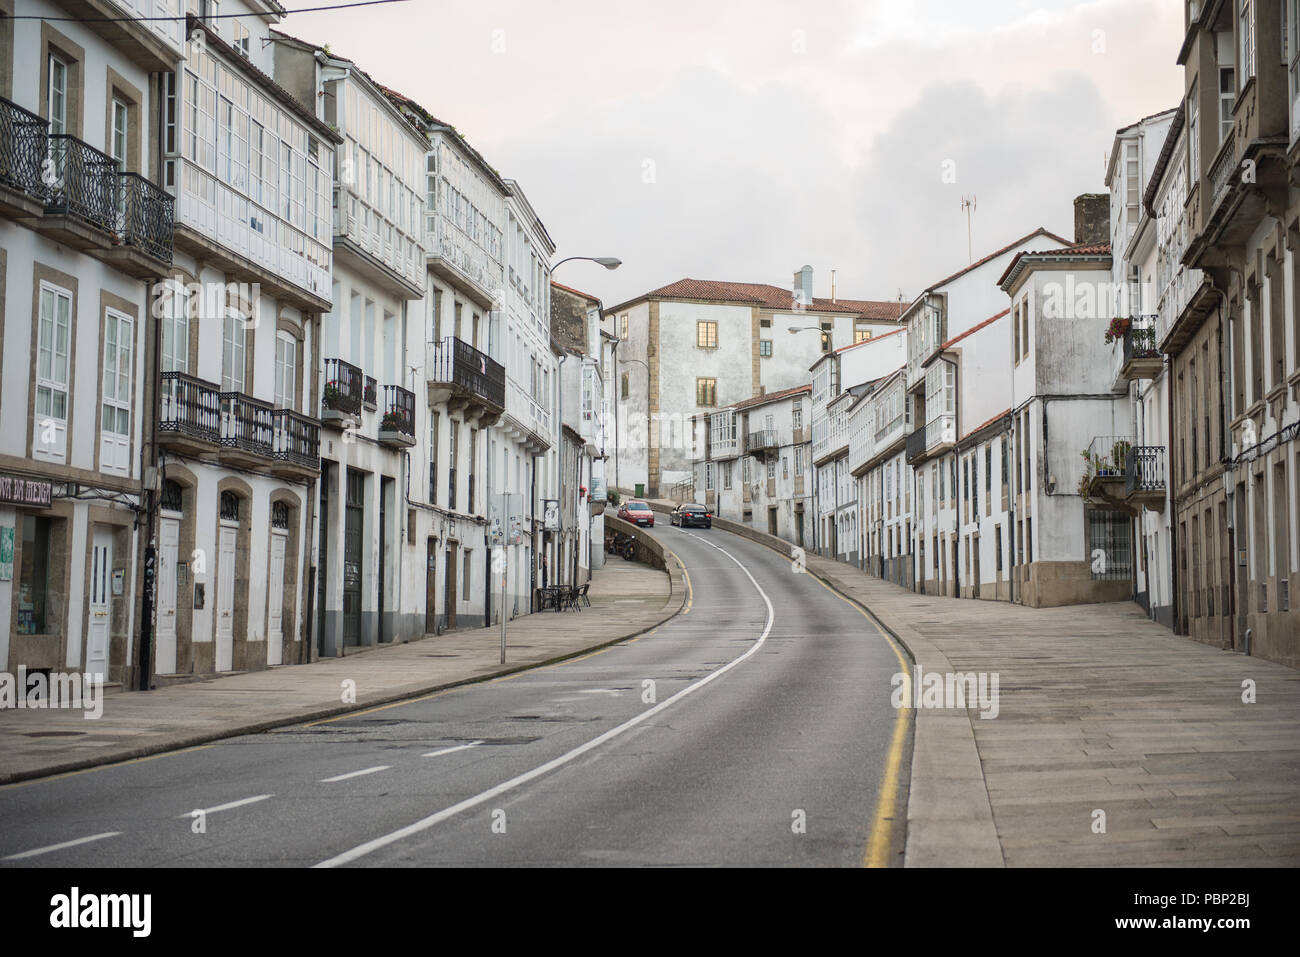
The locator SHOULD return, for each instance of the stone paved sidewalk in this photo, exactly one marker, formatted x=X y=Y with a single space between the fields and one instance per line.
x=1100 y=709
x=626 y=599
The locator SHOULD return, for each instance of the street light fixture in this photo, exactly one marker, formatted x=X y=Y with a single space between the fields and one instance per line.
x=609 y=262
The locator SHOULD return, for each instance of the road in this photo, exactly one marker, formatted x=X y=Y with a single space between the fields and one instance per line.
x=753 y=729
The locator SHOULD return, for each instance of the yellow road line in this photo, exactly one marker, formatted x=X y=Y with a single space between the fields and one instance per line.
x=879 y=844
x=104 y=767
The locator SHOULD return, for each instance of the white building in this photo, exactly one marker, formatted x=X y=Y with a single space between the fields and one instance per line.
x=755 y=466
x=84 y=230
x=695 y=346
x=1149 y=281
x=370 y=580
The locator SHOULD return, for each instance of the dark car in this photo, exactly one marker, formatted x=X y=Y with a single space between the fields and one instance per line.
x=638 y=513
x=691 y=515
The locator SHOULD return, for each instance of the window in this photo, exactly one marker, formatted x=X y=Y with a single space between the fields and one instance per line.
x=52 y=363
x=861 y=335
x=1109 y=533
x=433 y=458
x=34 y=616
x=623 y=389
x=796 y=416
x=233 y=341
x=706 y=392
x=468 y=577
x=286 y=361
x=623 y=326
x=706 y=335
x=240 y=37
x=115 y=413
x=1132 y=189
x=117 y=135
x=58 y=96
x=175 y=329
x=453 y=450
x=1291 y=35
x=826 y=342
x=1227 y=94
x=1193 y=133
x=1246 y=40
x=765 y=348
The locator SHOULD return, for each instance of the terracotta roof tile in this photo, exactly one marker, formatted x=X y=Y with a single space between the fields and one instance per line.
x=772 y=397
x=773 y=297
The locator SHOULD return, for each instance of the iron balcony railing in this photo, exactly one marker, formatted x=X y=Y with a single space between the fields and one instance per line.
x=761 y=439
x=370 y=393
x=296 y=438
x=343 y=387
x=23 y=137
x=460 y=364
x=188 y=406
x=916 y=444
x=247 y=424
x=147 y=216
x=1107 y=456
x=1140 y=338
x=399 y=410
x=1144 y=469
x=81 y=181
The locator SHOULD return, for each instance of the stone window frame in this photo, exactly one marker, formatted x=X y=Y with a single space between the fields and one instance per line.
x=68 y=283
x=107 y=301
x=287 y=324
x=7 y=51
x=55 y=43
x=119 y=88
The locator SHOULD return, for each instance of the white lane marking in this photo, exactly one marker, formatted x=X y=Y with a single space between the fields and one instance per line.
x=58 y=847
x=609 y=691
x=355 y=774
x=228 y=807
x=459 y=747
x=424 y=824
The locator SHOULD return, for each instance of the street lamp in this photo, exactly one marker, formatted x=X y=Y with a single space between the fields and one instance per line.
x=609 y=262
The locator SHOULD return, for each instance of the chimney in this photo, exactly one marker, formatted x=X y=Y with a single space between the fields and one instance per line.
x=1092 y=218
x=803 y=285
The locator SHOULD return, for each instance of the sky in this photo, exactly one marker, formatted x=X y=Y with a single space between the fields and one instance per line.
x=741 y=139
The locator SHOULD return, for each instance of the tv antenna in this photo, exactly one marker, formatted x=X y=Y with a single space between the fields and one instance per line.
x=968 y=207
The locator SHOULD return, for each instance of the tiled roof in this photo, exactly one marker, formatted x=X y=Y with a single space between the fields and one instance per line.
x=773 y=297
x=974 y=329
x=1162 y=161
x=772 y=397
x=1040 y=231
x=1087 y=249
x=577 y=292
x=864 y=342
x=985 y=425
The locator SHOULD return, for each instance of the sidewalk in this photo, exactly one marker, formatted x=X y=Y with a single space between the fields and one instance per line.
x=1100 y=709
x=626 y=599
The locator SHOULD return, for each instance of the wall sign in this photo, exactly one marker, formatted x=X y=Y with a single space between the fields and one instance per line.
x=6 y=554
x=36 y=493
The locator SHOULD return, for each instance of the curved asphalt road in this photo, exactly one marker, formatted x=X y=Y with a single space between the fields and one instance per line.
x=769 y=740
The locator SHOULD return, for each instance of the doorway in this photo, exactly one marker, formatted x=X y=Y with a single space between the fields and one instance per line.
x=101 y=560
x=353 y=525
x=449 y=585
x=275 y=599
x=169 y=537
x=431 y=588
x=225 y=650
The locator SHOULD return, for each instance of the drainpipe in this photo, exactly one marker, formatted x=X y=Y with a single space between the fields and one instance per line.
x=143 y=682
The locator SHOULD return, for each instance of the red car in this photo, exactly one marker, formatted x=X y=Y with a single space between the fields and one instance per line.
x=638 y=513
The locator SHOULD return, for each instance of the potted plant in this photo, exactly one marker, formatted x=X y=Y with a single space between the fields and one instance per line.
x=331 y=394
x=1118 y=326
x=1119 y=452
x=1085 y=485
x=391 y=422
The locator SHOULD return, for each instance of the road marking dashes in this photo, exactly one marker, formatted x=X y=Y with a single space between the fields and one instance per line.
x=227 y=807
x=459 y=747
x=355 y=774
x=36 y=852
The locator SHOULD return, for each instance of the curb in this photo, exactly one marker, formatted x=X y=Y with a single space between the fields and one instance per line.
x=676 y=584
x=949 y=815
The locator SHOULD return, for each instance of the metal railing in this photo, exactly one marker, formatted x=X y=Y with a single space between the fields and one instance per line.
x=370 y=393
x=296 y=438
x=761 y=439
x=458 y=363
x=147 y=216
x=399 y=410
x=343 y=387
x=81 y=181
x=1144 y=469
x=247 y=424
x=1221 y=171
x=916 y=443
x=1140 y=338
x=1108 y=456
x=189 y=406
x=23 y=137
